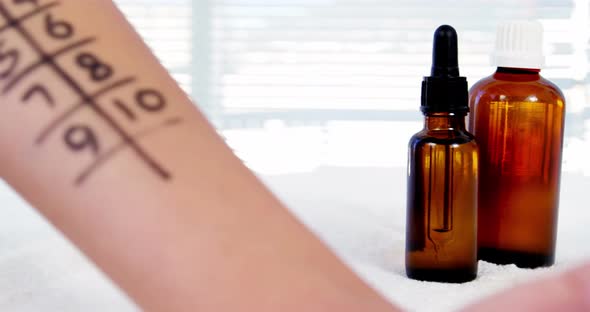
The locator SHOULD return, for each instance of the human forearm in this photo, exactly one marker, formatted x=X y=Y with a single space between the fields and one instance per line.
x=102 y=141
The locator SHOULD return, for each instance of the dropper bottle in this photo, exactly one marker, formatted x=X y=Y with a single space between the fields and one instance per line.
x=441 y=240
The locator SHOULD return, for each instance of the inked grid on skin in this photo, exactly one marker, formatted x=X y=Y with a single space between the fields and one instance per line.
x=148 y=99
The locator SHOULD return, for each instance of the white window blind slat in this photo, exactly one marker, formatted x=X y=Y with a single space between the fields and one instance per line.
x=298 y=54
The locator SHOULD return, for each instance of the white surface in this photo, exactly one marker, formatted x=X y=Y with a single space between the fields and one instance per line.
x=360 y=213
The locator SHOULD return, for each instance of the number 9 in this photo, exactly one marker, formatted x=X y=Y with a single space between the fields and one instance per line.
x=80 y=137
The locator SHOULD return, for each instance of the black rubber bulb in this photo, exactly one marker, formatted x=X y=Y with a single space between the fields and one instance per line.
x=445 y=91
x=445 y=59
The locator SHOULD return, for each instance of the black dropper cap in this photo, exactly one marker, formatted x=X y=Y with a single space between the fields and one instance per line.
x=445 y=91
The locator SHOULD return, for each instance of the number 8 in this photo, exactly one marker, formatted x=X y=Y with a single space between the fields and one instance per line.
x=98 y=71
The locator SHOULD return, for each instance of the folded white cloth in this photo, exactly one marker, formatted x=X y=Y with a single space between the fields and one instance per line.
x=361 y=214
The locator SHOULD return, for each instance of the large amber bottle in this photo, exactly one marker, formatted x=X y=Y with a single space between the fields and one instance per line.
x=441 y=242
x=518 y=120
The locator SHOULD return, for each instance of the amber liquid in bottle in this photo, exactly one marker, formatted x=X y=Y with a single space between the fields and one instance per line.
x=442 y=201
x=518 y=119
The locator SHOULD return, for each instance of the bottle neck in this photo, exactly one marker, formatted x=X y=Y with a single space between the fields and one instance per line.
x=445 y=121
x=517 y=74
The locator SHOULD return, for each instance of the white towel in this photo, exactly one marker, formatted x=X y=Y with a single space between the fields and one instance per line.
x=359 y=213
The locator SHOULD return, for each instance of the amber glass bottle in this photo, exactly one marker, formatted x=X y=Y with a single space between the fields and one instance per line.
x=518 y=120
x=441 y=242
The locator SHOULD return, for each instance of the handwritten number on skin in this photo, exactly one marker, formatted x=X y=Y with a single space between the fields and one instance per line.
x=8 y=61
x=58 y=29
x=39 y=91
x=98 y=71
x=148 y=100
x=80 y=137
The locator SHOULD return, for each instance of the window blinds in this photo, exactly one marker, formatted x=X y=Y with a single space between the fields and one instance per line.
x=340 y=59
x=365 y=59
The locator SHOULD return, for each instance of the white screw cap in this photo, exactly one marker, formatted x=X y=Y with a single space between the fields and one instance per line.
x=519 y=44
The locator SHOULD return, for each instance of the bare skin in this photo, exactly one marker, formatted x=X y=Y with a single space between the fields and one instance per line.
x=102 y=141
x=567 y=292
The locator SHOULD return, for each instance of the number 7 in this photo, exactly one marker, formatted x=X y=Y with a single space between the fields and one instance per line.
x=41 y=91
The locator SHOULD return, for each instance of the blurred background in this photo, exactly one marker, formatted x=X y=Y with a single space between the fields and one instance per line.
x=320 y=98
x=294 y=85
